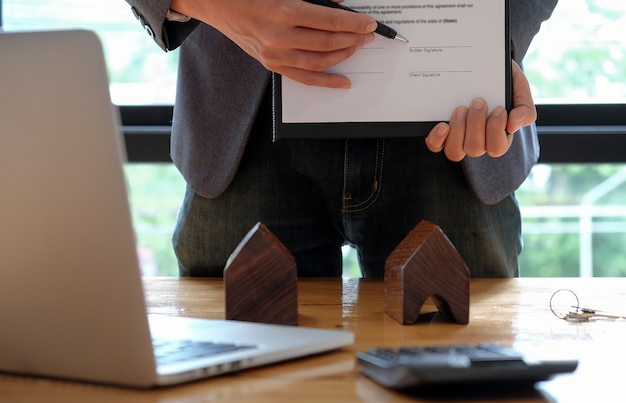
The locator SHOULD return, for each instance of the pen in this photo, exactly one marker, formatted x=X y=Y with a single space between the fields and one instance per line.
x=381 y=29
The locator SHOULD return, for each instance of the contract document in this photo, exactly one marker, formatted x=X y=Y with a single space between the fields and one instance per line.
x=457 y=50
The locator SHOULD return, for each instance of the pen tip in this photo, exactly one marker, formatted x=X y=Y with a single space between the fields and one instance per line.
x=401 y=38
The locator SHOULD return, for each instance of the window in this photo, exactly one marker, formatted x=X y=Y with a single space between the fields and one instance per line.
x=578 y=57
x=140 y=72
x=575 y=214
x=573 y=204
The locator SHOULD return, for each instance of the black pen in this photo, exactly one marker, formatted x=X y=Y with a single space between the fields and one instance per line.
x=381 y=29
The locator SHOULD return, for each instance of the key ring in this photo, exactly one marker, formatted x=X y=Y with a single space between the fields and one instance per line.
x=578 y=313
x=558 y=315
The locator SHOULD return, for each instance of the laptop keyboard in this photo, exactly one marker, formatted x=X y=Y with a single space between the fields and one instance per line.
x=167 y=351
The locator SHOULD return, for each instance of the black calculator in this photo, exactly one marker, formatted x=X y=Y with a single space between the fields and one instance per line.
x=414 y=367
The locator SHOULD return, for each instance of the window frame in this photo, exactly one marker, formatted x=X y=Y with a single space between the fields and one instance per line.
x=568 y=133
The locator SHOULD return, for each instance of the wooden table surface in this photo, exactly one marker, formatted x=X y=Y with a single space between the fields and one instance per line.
x=513 y=312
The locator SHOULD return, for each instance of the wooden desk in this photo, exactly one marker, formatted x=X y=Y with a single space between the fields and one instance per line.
x=513 y=312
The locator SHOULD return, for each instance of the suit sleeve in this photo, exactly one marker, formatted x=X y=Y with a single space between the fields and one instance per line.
x=493 y=179
x=151 y=14
x=526 y=17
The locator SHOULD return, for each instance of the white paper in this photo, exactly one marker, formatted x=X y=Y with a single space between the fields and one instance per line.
x=456 y=52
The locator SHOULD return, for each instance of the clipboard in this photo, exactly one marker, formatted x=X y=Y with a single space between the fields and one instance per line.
x=457 y=51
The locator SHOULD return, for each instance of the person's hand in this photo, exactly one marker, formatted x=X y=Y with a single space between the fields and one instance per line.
x=296 y=39
x=472 y=132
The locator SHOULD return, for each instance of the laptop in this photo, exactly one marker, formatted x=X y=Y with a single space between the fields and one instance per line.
x=71 y=299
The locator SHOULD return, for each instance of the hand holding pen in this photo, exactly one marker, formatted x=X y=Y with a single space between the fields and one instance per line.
x=294 y=38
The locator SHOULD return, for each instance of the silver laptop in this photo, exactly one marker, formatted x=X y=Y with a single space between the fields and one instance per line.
x=71 y=298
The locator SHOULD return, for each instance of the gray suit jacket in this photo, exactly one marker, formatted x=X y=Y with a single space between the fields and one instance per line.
x=220 y=89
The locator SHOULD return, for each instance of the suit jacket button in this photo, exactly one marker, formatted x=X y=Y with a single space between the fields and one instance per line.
x=149 y=31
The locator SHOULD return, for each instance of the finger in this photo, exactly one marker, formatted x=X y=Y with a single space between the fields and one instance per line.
x=520 y=117
x=333 y=19
x=308 y=67
x=437 y=137
x=453 y=147
x=498 y=140
x=315 y=78
x=474 y=144
x=327 y=41
x=524 y=112
x=313 y=58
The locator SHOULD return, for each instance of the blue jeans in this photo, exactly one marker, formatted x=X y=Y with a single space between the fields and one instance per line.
x=317 y=195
